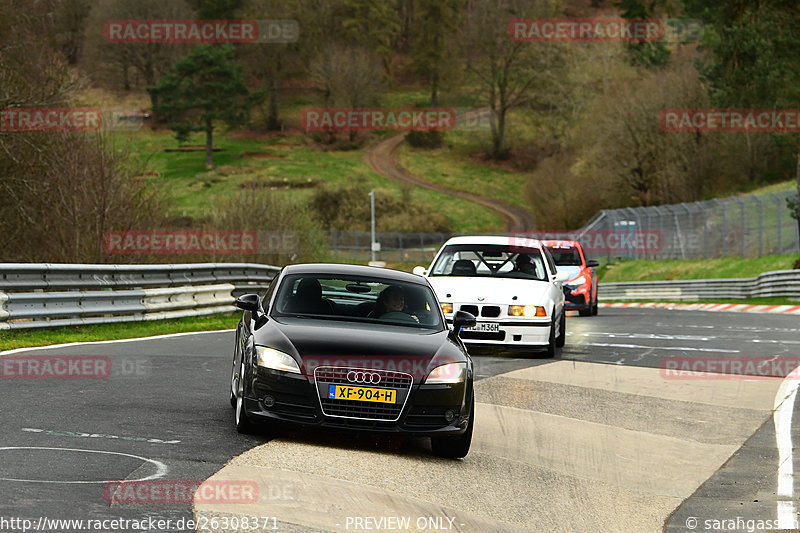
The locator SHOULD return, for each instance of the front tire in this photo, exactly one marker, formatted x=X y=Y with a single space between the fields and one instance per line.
x=594 y=307
x=562 y=330
x=243 y=424
x=551 y=343
x=455 y=447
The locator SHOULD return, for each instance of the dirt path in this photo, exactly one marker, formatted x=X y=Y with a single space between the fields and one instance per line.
x=383 y=159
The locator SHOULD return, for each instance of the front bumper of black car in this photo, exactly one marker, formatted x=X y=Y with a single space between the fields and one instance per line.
x=427 y=410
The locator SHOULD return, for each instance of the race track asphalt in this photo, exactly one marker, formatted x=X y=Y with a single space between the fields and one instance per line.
x=601 y=438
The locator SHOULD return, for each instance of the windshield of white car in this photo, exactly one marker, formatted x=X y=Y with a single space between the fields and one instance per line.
x=357 y=299
x=491 y=261
x=567 y=256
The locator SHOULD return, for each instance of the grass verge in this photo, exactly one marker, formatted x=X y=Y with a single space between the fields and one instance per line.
x=683 y=269
x=748 y=301
x=10 y=340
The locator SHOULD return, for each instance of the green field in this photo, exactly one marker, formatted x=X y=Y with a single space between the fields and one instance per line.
x=450 y=169
x=285 y=164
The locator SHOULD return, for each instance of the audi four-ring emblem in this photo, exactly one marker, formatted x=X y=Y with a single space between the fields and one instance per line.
x=363 y=377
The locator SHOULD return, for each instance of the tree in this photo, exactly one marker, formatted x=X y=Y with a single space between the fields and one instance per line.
x=509 y=73
x=70 y=22
x=204 y=87
x=61 y=191
x=648 y=54
x=149 y=60
x=373 y=26
x=272 y=63
x=753 y=55
x=433 y=36
x=347 y=77
x=215 y=9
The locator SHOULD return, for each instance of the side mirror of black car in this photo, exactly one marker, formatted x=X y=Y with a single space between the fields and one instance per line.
x=248 y=302
x=592 y=263
x=462 y=320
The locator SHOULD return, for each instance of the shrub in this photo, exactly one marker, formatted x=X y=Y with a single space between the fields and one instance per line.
x=347 y=207
x=425 y=139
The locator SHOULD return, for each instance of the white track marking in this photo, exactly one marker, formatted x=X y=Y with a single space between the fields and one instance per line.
x=782 y=417
x=161 y=468
x=666 y=348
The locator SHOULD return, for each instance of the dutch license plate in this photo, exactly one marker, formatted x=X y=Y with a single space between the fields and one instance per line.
x=363 y=394
x=491 y=327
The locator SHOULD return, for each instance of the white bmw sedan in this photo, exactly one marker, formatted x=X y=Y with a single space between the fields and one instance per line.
x=512 y=287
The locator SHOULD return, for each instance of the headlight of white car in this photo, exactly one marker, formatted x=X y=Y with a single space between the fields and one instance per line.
x=526 y=310
x=449 y=373
x=276 y=360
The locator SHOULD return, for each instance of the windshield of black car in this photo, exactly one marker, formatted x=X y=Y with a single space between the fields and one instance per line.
x=567 y=256
x=358 y=299
x=496 y=261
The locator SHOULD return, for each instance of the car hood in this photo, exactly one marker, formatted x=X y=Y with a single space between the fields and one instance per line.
x=491 y=290
x=331 y=342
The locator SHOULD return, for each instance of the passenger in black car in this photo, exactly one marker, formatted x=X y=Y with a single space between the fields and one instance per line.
x=308 y=299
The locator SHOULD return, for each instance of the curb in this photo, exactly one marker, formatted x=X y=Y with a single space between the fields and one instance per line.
x=738 y=308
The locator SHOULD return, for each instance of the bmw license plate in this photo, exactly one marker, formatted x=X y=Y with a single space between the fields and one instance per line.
x=490 y=327
x=363 y=394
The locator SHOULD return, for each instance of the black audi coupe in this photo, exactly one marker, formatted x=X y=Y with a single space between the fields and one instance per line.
x=355 y=347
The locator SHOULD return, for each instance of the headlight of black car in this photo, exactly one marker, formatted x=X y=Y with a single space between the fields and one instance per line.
x=276 y=360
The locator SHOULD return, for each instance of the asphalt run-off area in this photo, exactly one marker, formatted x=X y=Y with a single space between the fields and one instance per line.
x=605 y=437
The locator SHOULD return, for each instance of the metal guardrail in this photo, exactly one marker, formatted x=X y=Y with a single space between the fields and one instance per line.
x=42 y=295
x=784 y=283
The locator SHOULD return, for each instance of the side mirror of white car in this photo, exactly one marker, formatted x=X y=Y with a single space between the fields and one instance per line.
x=420 y=271
x=561 y=276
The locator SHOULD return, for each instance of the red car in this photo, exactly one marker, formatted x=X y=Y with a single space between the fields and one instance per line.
x=580 y=289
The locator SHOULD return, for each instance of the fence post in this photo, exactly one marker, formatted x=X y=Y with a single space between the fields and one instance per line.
x=742 y=228
x=760 y=225
x=704 y=210
x=723 y=228
x=778 y=222
x=691 y=225
x=400 y=246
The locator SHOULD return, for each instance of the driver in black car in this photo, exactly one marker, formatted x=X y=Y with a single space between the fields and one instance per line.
x=390 y=302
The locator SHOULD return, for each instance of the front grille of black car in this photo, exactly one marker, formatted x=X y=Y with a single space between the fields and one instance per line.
x=400 y=381
x=483 y=335
x=490 y=311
